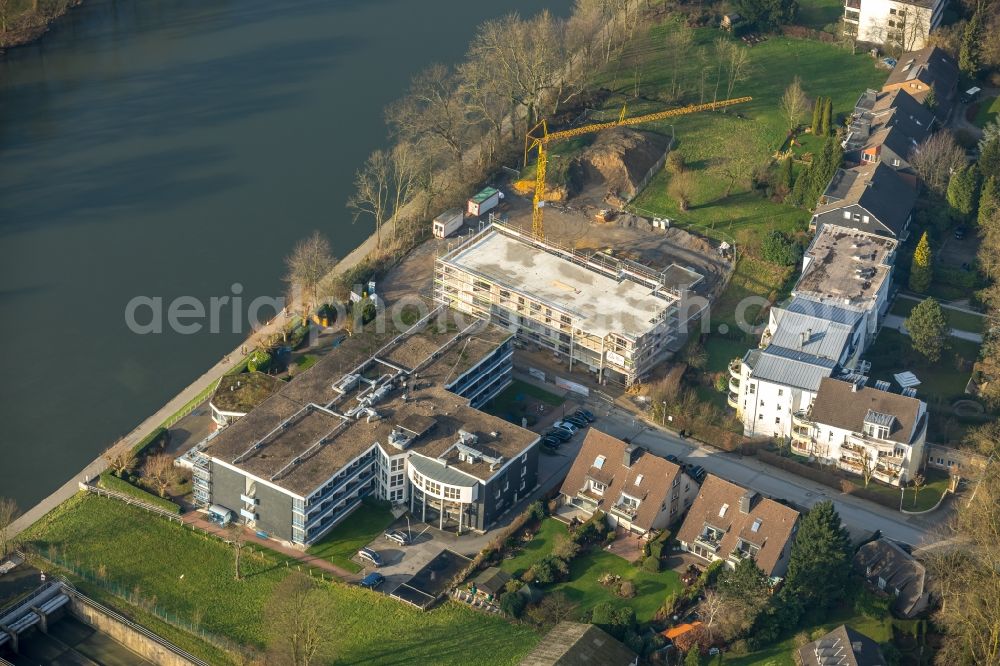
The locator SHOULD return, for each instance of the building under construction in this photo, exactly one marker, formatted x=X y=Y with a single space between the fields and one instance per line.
x=614 y=317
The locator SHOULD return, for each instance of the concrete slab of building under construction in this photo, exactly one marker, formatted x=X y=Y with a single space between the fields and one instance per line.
x=604 y=304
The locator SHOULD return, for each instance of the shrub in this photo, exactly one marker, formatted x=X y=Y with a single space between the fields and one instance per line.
x=549 y=569
x=565 y=548
x=258 y=361
x=158 y=438
x=536 y=510
x=513 y=585
x=512 y=603
x=651 y=564
x=626 y=590
x=675 y=162
x=871 y=604
x=739 y=648
x=778 y=248
x=614 y=620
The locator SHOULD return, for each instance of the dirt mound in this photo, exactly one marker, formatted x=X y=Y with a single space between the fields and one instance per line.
x=618 y=160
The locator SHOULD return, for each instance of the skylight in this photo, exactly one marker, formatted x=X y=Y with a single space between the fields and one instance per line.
x=638 y=480
x=722 y=510
x=599 y=462
x=756 y=525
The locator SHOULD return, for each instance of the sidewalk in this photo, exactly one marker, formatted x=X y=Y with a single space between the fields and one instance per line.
x=896 y=322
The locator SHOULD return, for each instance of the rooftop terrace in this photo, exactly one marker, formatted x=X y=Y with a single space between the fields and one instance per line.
x=844 y=268
x=353 y=398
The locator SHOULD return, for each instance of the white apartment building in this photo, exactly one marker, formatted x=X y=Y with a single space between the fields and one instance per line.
x=862 y=429
x=892 y=24
x=613 y=317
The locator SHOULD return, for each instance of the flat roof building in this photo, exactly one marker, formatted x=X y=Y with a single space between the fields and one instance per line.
x=401 y=424
x=616 y=317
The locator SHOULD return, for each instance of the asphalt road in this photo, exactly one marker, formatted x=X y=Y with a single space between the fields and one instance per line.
x=860 y=516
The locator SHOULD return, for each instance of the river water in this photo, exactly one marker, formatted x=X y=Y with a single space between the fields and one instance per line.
x=173 y=148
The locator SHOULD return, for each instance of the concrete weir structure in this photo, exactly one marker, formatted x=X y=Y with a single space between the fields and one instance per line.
x=615 y=317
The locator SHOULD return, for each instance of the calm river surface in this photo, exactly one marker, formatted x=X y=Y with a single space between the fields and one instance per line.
x=165 y=149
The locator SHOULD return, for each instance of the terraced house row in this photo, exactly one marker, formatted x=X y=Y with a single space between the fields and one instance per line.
x=808 y=379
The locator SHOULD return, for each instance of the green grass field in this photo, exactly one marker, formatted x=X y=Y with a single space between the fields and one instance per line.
x=963 y=321
x=582 y=587
x=187 y=574
x=367 y=522
x=988 y=111
x=937 y=483
x=942 y=381
x=707 y=139
x=818 y=14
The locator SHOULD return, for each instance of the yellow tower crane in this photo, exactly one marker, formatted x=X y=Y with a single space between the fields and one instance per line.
x=539 y=138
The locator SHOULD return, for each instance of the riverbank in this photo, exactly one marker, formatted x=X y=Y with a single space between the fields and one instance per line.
x=27 y=20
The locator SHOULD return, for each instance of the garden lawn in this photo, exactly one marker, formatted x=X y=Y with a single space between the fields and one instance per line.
x=341 y=544
x=942 y=381
x=582 y=587
x=937 y=483
x=706 y=139
x=817 y=14
x=988 y=111
x=144 y=553
x=780 y=653
x=963 y=321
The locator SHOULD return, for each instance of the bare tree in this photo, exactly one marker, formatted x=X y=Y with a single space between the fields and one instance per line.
x=8 y=514
x=301 y=620
x=868 y=464
x=679 y=40
x=918 y=481
x=371 y=191
x=681 y=188
x=307 y=265
x=737 y=66
x=552 y=609
x=405 y=170
x=794 y=103
x=967 y=580
x=159 y=471
x=238 y=541
x=935 y=159
x=119 y=458
x=432 y=112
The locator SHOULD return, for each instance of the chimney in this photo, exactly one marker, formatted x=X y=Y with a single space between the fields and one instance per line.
x=746 y=501
x=631 y=454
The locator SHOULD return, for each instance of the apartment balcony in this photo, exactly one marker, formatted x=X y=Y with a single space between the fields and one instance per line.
x=707 y=541
x=736 y=368
x=802 y=441
x=802 y=419
x=851 y=17
x=733 y=400
x=852 y=4
x=734 y=386
x=626 y=511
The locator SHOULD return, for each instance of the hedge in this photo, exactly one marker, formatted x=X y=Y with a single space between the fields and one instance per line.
x=827 y=478
x=111 y=482
x=148 y=441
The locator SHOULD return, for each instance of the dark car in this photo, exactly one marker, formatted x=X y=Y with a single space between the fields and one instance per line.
x=585 y=413
x=551 y=442
x=697 y=472
x=398 y=537
x=960 y=232
x=370 y=556
x=560 y=434
x=578 y=421
x=372 y=580
x=674 y=459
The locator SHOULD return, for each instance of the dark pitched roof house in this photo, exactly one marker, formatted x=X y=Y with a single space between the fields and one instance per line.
x=918 y=72
x=878 y=112
x=870 y=198
x=622 y=468
x=847 y=406
x=842 y=647
x=890 y=568
x=578 y=644
x=729 y=520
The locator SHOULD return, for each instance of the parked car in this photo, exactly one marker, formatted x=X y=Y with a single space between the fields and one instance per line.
x=960 y=232
x=674 y=459
x=561 y=434
x=578 y=421
x=697 y=472
x=370 y=556
x=566 y=425
x=372 y=580
x=551 y=441
x=587 y=414
x=398 y=537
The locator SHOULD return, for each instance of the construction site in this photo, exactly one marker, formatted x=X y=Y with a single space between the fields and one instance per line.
x=568 y=269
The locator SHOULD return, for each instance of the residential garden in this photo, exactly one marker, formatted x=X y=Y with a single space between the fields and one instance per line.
x=363 y=525
x=182 y=582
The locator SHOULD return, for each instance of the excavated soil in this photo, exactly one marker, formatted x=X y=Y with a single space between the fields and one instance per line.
x=615 y=164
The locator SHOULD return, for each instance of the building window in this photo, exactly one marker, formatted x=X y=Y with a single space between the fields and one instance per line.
x=777 y=420
x=452 y=493
x=638 y=480
x=781 y=392
x=599 y=462
x=524 y=483
x=892 y=11
x=524 y=458
x=895 y=162
x=597 y=487
x=524 y=471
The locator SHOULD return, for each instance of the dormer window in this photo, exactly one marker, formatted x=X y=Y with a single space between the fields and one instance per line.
x=629 y=501
x=598 y=487
x=878 y=424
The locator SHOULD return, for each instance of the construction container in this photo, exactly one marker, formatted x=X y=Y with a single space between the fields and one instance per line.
x=484 y=202
x=448 y=222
